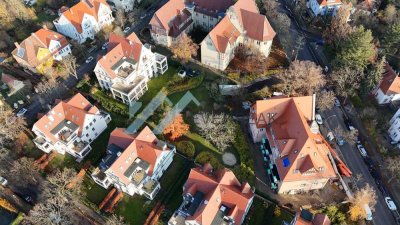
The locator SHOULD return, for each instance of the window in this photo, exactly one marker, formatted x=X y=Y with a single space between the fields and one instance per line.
x=92 y=128
x=94 y=120
x=90 y=140
x=87 y=127
x=90 y=124
x=87 y=135
x=258 y=42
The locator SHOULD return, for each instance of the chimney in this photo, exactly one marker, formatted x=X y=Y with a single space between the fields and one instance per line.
x=178 y=12
x=17 y=45
x=45 y=27
x=314 y=96
x=314 y=125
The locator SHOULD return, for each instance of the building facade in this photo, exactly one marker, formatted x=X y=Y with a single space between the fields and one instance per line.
x=70 y=127
x=388 y=90
x=127 y=67
x=324 y=7
x=38 y=51
x=134 y=162
x=126 y=5
x=84 y=20
x=394 y=129
x=213 y=197
x=297 y=155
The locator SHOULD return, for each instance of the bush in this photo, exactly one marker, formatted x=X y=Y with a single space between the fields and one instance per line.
x=206 y=157
x=186 y=148
x=246 y=170
x=110 y=104
x=179 y=85
x=244 y=173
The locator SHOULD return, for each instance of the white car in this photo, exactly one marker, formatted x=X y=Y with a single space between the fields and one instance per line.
x=21 y=112
x=318 y=118
x=126 y=30
x=88 y=60
x=105 y=45
x=337 y=103
x=362 y=150
x=390 y=204
x=3 y=181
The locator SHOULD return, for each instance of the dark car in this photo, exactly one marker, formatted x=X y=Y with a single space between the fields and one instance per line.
x=27 y=195
x=369 y=162
x=192 y=72
x=349 y=125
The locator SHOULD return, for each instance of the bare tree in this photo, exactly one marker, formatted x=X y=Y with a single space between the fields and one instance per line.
x=362 y=197
x=346 y=81
x=302 y=78
x=339 y=28
x=282 y=22
x=115 y=220
x=120 y=17
x=25 y=170
x=184 y=48
x=133 y=16
x=349 y=136
x=58 y=184
x=271 y=8
x=217 y=128
x=325 y=100
x=389 y=14
x=11 y=125
x=70 y=65
x=392 y=164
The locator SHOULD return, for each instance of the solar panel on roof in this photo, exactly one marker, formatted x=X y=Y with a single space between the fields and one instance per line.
x=20 y=52
x=286 y=162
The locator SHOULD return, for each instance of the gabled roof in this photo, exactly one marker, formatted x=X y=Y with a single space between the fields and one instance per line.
x=390 y=83
x=143 y=146
x=120 y=48
x=212 y=8
x=223 y=34
x=167 y=13
x=327 y=2
x=303 y=155
x=28 y=48
x=217 y=188
x=76 y=13
x=74 y=110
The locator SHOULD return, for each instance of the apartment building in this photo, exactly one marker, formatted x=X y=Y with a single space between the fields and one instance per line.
x=388 y=90
x=213 y=197
x=38 y=51
x=70 y=126
x=126 y=5
x=127 y=67
x=134 y=162
x=297 y=154
x=324 y=7
x=84 y=20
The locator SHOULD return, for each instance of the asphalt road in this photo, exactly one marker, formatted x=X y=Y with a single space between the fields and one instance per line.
x=35 y=106
x=349 y=153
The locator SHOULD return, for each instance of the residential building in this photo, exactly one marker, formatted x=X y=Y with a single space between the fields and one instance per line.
x=126 y=5
x=70 y=126
x=324 y=7
x=38 y=51
x=213 y=197
x=297 y=153
x=305 y=217
x=134 y=162
x=388 y=90
x=228 y=23
x=127 y=67
x=394 y=129
x=11 y=84
x=84 y=20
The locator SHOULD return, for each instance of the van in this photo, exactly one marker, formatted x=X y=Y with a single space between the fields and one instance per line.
x=368 y=212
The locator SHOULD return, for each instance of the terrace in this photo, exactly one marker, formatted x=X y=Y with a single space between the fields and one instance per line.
x=66 y=131
x=137 y=171
x=124 y=67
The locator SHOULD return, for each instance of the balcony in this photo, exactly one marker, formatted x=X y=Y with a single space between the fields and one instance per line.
x=66 y=131
x=151 y=187
x=42 y=144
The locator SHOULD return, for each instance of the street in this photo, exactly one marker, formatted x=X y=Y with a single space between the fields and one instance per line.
x=351 y=156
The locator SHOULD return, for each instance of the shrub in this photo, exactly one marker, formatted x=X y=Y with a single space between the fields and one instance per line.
x=179 y=85
x=277 y=211
x=206 y=157
x=186 y=148
x=110 y=104
x=244 y=173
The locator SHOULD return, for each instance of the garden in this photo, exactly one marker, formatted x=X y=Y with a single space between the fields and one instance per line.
x=264 y=212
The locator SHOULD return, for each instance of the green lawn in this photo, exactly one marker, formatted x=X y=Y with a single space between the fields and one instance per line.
x=134 y=209
x=43 y=17
x=262 y=213
x=94 y=193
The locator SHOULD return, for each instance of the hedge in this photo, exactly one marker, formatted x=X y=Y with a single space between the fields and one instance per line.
x=206 y=157
x=184 y=84
x=186 y=148
x=18 y=220
x=110 y=104
x=246 y=169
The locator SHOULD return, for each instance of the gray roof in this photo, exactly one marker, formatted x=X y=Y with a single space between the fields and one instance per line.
x=135 y=165
x=62 y=124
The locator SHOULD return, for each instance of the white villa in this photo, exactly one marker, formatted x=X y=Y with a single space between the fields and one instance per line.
x=127 y=67
x=324 y=7
x=388 y=89
x=134 y=162
x=70 y=127
x=394 y=129
x=229 y=24
x=84 y=20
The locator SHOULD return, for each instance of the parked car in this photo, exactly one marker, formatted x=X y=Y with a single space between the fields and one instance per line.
x=390 y=204
x=143 y=16
x=192 y=72
x=368 y=212
x=362 y=151
x=340 y=140
x=3 y=181
x=88 y=60
x=21 y=112
x=127 y=29
x=337 y=103
x=318 y=118
x=27 y=197
x=369 y=162
x=105 y=45
x=349 y=125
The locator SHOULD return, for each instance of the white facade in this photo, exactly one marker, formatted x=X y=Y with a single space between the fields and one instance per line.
x=108 y=178
x=126 y=5
x=130 y=88
x=394 y=129
x=381 y=98
x=76 y=145
x=330 y=8
x=88 y=27
x=59 y=54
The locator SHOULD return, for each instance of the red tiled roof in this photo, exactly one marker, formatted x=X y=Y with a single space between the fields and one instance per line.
x=290 y=118
x=120 y=47
x=166 y=13
x=223 y=34
x=75 y=13
x=74 y=110
x=218 y=188
x=326 y=2
x=390 y=83
x=142 y=146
